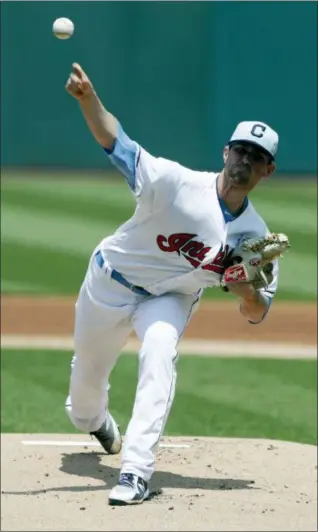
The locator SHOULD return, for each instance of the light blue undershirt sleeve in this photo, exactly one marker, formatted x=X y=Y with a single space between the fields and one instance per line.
x=124 y=155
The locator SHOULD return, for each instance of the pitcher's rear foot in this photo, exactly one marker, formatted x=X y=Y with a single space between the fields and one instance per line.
x=131 y=489
x=109 y=436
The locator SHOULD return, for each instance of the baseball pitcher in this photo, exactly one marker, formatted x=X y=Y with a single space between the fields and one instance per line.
x=190 y=230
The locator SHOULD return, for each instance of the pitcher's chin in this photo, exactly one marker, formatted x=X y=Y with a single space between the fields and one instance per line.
x=239 y=185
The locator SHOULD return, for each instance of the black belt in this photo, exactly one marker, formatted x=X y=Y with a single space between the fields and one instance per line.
x=120 y=279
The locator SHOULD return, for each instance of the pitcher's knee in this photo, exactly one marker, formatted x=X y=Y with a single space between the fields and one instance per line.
x=85 y=405
x=85 y=421
x=160 y=338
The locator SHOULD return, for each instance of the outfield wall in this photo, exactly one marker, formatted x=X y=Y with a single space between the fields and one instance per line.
x=179 y=75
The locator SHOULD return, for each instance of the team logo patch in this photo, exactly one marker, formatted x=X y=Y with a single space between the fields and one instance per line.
x=193 y=250
x=234 y=274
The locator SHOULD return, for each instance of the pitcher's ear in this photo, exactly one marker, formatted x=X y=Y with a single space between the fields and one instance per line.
x=270 y=170
x=225 y=153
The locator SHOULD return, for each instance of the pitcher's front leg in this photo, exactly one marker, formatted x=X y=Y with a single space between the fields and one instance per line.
x=154 y=397
x=159 y=323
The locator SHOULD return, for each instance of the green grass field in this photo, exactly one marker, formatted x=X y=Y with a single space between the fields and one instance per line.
x=51 y=224
x=260 y=398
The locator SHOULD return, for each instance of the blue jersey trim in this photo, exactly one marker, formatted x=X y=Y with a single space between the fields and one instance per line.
x=227 y=215
x=269 y=302
x=123 y=155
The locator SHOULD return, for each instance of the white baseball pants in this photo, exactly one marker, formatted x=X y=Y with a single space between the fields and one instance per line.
x=106 y=313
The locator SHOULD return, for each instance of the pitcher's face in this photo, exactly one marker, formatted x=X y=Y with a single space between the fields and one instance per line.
x=245 y=165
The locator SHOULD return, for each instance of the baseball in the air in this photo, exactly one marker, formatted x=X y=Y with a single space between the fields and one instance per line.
x=63 y=28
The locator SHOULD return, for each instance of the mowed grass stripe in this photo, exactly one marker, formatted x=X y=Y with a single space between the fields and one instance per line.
x=60 y=231
x=18 y=287
x=109 y=188
x=25 y=262
x=104 y=208
x=293 y=294
x=215 y=396
x=237 y=422
x=59 y=267
x=56 y=272
x=116 y=210
x=72 y=236
x=277 y=215
x=94 y=182
x=221 y=392
x=30 y=394
x=85 y=197
x=113 y=184
x=88 y=185
x=55 y=232
x=286 y=191
x=298 y=270
x=79 y=186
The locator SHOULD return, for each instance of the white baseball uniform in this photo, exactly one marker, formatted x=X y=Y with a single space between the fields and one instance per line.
x=172 y=248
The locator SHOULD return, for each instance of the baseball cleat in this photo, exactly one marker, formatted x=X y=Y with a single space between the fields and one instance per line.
x=130 y=489
x=110 y=437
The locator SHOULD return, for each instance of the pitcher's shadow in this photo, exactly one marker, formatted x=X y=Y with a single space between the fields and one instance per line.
x=88 y=465
x=76 y=464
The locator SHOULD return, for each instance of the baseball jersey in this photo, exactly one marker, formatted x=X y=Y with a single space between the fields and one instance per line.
x=181 y=232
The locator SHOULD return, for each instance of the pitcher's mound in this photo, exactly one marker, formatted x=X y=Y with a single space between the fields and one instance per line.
x=208 y=484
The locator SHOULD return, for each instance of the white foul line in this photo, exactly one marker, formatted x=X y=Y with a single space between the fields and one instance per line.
x=68 y=443
x=186 y=347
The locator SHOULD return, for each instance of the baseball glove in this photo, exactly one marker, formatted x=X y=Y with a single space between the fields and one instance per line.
x=252 y=261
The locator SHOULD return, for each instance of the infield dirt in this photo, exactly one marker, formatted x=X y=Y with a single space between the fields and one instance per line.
x=216 y=485
x=286 y=322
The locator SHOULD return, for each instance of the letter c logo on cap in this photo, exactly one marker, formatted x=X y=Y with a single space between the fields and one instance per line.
x=258 y=130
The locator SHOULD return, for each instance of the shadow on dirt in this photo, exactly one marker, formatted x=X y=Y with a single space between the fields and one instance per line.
x=88 y=465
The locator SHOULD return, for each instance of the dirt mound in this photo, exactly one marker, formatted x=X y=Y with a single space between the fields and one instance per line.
x=207 y=484
x=286 y=322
